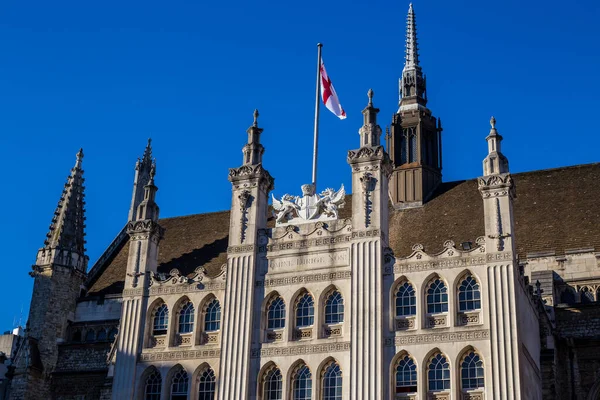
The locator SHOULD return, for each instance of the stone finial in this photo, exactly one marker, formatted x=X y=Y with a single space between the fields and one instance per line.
x=493 y=122
x=255 y=123
x=80 y=154
x=370 y=94
x=152 y=173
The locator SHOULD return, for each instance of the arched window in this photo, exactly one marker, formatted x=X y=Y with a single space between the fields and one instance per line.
x=161 y=320
x=206 y=385
x=403 y=147
x=568 y=296
x=412 y=139
x=153 y=386
x=179 y=385
x=438 y=374
x=112 y=334
x=212 y=318
x=334 y=308
x=305 y=311
x=437 y=297
x=469 y=295
x=471 y=372
x=101 y=335
x=272 y=385
x=77 y=336
x=586 y=295
x=406 y=375
x=406 y=300
x=186 y=318
x=90 y=335
x=302 y=386
x=276 y=314
x=332 y=382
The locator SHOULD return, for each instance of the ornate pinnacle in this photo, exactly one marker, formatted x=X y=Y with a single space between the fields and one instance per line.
x=493 y=122
x=255 y=124
x=412 y=54
x=370 y=94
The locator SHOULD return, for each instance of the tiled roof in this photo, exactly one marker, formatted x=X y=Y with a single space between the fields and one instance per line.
x=555 y=210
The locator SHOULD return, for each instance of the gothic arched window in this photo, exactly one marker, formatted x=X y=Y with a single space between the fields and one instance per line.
x=276 y=314
x=403 y=147
x=471 y=372
x=406 y=375
x=179 y=385
x=206 y=385
x=305 y=311
x=302 y=383
x=90 y=335
x=272 y=385
x=412 y=144
x=153 y=386
x=586 y=295
x=334 y=308
x=469 y=295
x=438 y=373
x=332 y=382
x=77 y=336
x=161 y=320
x=212 y=317
x=437 y=297
x=406 y=300
x=186 y=318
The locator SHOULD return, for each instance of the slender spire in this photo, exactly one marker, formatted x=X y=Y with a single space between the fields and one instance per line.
x=143 y=166
x=370 y=133
x=146 y=160
x=253 y=150
x=495 y=162
x=412 y=84
x=412 y=48
x=67 y=228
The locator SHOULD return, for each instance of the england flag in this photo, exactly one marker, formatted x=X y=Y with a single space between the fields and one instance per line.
x=329 y=96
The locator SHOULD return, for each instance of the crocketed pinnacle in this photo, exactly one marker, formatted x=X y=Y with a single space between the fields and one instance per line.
x=412 y=49
x=68 y=224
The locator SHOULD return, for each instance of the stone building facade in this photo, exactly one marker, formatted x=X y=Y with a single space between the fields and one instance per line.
x=410 y=288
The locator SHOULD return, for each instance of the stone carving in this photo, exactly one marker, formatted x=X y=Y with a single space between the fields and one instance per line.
x=471 y=318
x=136 y=273
x=309 y=207
x=244 y=198
x=499 y=234
x=367 y=182
x=300 y=350
x=403 y=324
x=472 y=396
x=305 y=278
x=274 y=336
x=445 y=337
x=436 y=321
x=302 y=333
x=332 y=331
x=179 y=355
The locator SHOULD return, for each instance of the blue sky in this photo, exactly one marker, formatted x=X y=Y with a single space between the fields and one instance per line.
x=107 y=75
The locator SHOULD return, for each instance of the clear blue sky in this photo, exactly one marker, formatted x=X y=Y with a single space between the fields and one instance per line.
x=107 y=75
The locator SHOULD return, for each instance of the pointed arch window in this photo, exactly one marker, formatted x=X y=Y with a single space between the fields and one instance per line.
x=469 y=295
x=412 y=144
x=161 y=320
x=90 y=335
x=302 y=384
x=212 y=318
x=305 y=311
x=272 y=385
x=332 y=382
x=179 y=385
x=438 y=374
x=586 y=295
x=186 y=318
x=471 y=372
x=403 y=147
x=334 y=308
x=406 y=375
x=406 y=300
x=437 y=297
x=153 y=386
x=206 y=385
x=276 y=314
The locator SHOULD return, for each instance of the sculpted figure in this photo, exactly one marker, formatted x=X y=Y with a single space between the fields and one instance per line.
x=332 y=201
x=286 y=208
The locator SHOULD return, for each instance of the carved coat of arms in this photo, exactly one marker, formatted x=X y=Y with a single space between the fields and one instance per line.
x=311 y=206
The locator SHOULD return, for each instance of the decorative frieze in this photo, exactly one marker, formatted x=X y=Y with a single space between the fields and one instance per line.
x=300 y=350
x=133 y=292
x=179 y=355
x=336 y=258
x=302 y=333
x=177 y=289
x=183 y=339
x=469 y=318
x=437 y=321
x=303 y=279
x=332 y=331
x=403 y=324
x=445 y=337
x=447 y=263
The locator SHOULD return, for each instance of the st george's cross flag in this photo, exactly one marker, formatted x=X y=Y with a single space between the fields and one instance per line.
x=329 y=96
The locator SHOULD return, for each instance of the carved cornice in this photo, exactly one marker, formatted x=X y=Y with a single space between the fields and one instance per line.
x=252 y=173
x=180 y=355
x=302 y=279
x=300 y=350
x=445 y=263
x=144 y=229
x=498 y=185
x=446 y=337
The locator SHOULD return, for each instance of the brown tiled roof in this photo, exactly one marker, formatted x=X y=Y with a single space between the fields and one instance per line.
x=555 y=210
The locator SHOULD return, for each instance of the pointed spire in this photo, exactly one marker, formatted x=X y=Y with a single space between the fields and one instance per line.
x=495 y=162
x=66 y=231
x=143 y=168
x=412 y=48
x=253 y=150
x=370 y=133
x=147 y=157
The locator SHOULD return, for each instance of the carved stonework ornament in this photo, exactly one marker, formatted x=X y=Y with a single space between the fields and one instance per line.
x=244 y=198
x=367 y=181
x=499 y=233
x=310 y=207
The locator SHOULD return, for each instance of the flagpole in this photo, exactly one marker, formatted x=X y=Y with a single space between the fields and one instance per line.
x=317 y=103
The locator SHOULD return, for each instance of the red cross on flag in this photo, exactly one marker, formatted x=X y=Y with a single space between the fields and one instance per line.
x=329 y=96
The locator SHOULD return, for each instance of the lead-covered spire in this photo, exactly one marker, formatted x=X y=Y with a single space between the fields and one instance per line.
x=412 y=83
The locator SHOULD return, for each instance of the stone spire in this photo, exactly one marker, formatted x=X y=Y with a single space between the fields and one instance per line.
x=253 y=150
x=142 y=177
x=66 y=233
x=412 y=83
x=370 y=132
x=495 y=162
x=148 y=209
